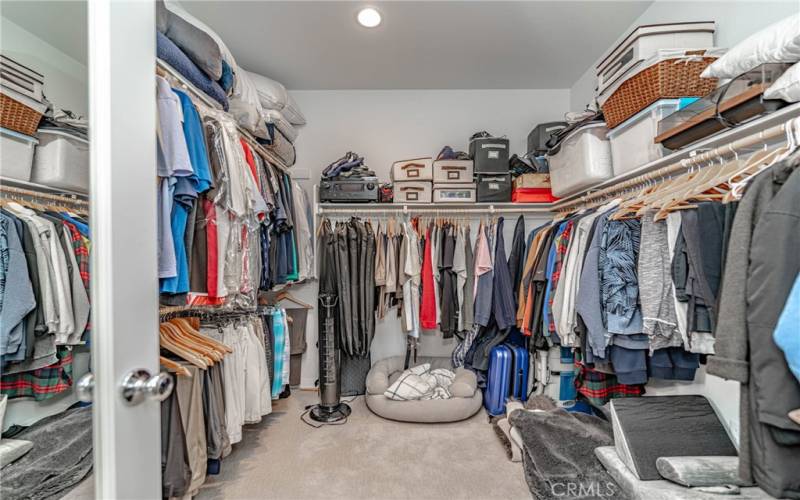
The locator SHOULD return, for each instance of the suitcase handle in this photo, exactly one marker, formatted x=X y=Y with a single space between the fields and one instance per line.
x=412 y=165
x=453 y=167
x=412 y=188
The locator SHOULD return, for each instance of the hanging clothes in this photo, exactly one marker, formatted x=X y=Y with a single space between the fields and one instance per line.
x=44 y=262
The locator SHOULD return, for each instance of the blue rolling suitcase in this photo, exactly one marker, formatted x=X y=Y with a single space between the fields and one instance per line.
x=497 y=380
x=518 y=375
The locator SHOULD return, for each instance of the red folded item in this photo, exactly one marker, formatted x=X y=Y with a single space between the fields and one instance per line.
x=532 y=195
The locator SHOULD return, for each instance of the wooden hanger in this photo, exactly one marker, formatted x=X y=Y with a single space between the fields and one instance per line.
x=762 y=160
x=679 y=196
x=291 y=298
x=197 y=343
x=171 y=334
x=190 y=328
x=175 y=333
x=712 y=187
x=173 y=366
x=166 y=342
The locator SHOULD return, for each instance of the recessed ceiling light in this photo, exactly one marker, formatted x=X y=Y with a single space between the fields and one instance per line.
x=369 y=17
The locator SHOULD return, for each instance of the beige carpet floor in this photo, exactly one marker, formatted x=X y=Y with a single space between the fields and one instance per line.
x=368 y=457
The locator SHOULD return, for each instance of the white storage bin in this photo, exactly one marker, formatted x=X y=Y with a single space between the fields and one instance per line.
x=17 y=154
x=21 y=78
x=455 y=171
x=454 y=193
x=583 y=160
x=413 y=192
x=417 y=169
x=646 y=40
x=61 y=160
x=632 y=141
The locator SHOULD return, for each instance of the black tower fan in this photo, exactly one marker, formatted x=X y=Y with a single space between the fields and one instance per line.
x=329 y=410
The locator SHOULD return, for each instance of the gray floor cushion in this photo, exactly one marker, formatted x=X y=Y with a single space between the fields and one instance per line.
x=466 y=402
x=660 y=489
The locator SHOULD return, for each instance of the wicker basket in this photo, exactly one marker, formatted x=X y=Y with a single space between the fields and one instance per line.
x=18 y=117
x=668 y=79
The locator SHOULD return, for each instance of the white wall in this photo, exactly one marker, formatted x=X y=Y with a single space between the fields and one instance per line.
x=65 y=79
x=736 y=20
x=388 y=125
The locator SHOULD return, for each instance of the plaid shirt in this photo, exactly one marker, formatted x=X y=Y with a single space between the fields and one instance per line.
x=43 y=383
x=599 y=388
x=561 y=244
x=79 y=245
x=81 y=253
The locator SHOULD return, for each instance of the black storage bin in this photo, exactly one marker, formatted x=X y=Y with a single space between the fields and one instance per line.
x=489 y=155
x=494 y=188
x=537 y=139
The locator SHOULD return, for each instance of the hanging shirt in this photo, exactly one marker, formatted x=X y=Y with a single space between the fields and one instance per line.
x=46 y=281
x=656 y=294
x=412 y=269
x=174 y=158
x=17 y=292
x=460 y=271
x=502 y=292
x=516 y=258
x=195 y=144
x=483 y=278
x=436 y=257
x=305 y=244
x=428 y=308
x=681 y=307
x=619 y=251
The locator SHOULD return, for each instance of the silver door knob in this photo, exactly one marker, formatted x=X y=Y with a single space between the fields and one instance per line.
x=139 y=384
x=84 y=389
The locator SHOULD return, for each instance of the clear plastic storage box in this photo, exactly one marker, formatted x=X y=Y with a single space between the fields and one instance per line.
x=61 y=160
x=632 y=142
x=583 y=160
x=17 y=154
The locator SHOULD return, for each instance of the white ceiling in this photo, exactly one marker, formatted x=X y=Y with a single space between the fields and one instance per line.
x=61 y=23
x=420 y=45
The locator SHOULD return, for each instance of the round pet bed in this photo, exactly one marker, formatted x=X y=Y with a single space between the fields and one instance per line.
x=466 y=400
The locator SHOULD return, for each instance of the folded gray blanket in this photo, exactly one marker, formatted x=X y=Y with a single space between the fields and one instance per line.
x=558 y=454
x=60 y=458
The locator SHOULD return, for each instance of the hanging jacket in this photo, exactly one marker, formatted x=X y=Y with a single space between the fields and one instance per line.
x=516 y=258
x=774 y=264
x=731 y=358
x=502 y=292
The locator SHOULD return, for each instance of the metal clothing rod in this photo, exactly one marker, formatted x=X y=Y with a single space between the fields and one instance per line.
x=177 y=79
x=405 y=209
x=178 y=311
x=681 y=166
x=64 y=199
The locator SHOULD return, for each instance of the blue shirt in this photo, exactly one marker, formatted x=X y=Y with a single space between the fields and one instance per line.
x=196 y=144
x=82 y=228
x=179 y=283
x=786 y=332
x=551 y=265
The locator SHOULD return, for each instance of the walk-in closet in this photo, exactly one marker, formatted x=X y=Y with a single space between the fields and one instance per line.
x=389 y=250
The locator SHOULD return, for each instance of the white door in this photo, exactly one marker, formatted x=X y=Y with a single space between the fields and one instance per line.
x=124 y=269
